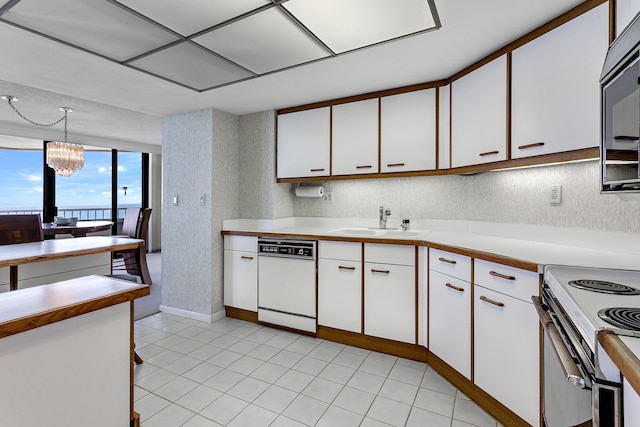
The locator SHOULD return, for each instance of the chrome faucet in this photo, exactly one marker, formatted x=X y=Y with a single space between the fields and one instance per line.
x=384 y=214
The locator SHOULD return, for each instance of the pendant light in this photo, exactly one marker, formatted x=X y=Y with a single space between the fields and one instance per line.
x=64 y=157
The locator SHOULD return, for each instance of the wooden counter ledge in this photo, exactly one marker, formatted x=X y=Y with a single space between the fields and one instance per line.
x=622 y=356
x=38 y=306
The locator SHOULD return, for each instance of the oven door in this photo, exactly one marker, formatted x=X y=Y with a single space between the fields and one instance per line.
x=566 y=396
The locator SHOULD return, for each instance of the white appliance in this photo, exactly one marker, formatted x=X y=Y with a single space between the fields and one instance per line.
x=287 y=283
x=582 y=386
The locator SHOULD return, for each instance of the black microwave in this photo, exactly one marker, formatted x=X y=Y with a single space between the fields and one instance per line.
x=620 y=125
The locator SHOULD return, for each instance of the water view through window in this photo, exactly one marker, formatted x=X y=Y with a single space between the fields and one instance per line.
x=86 y=194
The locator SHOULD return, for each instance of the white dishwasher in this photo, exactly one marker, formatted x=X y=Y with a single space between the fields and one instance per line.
x=287 y=283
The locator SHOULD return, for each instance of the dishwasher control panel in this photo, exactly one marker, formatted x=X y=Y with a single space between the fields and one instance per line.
x=304 y=249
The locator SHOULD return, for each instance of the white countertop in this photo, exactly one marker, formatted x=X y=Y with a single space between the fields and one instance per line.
x=541 y=245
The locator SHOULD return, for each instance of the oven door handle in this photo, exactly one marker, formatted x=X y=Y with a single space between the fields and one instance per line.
x=569 y=366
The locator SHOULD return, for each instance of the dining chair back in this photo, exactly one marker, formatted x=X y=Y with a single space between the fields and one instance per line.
x=22 y=228
x=131 y=221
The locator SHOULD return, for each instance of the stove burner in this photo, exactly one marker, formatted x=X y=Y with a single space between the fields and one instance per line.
x=604 y=287
x=622 y=317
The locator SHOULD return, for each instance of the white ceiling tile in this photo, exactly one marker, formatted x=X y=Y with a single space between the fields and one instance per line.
x=345 y=25
x=191 y=66
x=263 y=42
x=188 y=17
x=95 y=25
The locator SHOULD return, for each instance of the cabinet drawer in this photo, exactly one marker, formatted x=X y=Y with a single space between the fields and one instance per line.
x=351 y=251
x=390 y=254
x=451 y=264
x=241 y=243
x=518 y=283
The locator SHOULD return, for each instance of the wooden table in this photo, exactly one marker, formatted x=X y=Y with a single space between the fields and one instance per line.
x=25 y=253
x=79 y=230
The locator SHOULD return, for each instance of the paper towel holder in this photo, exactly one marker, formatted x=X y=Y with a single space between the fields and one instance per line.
x=312 y=189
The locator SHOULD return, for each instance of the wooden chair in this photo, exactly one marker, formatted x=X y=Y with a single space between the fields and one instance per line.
x=20 y=229
x=134 y=261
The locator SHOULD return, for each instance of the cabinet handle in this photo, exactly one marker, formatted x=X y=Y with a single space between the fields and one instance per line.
x=488 y=153
x=344 y=267
x=502 y=276
x=316 y=170
x=625 y=138
x=246 y=257
x=395 y=165
x=535 y=144
x=364 y=167
x=373 y=270
x=455 y=288
x=448 y=261
x=490 y=301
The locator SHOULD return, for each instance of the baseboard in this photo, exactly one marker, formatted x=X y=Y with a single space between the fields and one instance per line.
x=209 y=318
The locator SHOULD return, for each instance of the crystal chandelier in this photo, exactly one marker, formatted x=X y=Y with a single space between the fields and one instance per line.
x=64 y=157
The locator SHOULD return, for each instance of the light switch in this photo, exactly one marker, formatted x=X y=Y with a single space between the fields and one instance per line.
x=175 y=200
x=556 y=194
x=202 y=199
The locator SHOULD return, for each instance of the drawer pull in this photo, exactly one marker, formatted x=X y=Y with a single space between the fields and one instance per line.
x=316 y=170
x=373 y=270
x=246 y=257
x=625 y=138
x=490 y=301
x=535 y=144
x=344 y=267
x=502 y=276
x=364 y=167
x=395 y=165
x=448 y=261
x=455 y=288
x=488 y=153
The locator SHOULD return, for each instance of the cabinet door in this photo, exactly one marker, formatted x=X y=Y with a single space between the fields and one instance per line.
x=506 y=352
x=354 y=144
x=408 y=131
x=479 y=115
x=450 y=322
x=555 y=101
x=303 y=143
x=340 y=294
x=626 y=10
x=444 y=128
x=241 y=280
x=390 y=302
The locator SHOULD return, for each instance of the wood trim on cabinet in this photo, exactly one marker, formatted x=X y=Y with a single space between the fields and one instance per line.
x=416 y=273
x=472 y=305
x=613 y=10
x=362 y=308
x=240 y=314
x=379 y=135
x=622 y=356
x=508 y=105
x=330 y=140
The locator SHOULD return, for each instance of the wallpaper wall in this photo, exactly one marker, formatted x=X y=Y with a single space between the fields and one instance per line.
x=511 y=196
x=187 y=155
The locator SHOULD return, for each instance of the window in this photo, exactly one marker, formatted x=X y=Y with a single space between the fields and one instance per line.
x=20 y=181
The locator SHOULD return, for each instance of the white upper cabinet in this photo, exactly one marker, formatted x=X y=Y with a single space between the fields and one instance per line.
x=626 y=10
x=479 y=115
x=555 y=100
x=354 y=146
x=303 y=143
x=408 y=131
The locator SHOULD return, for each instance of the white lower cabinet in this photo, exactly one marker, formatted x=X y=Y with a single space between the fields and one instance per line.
x=507 y=339
x=390 y=292
x=241 y=272
x=630 y=404
x=450 y=321
x=340 y=285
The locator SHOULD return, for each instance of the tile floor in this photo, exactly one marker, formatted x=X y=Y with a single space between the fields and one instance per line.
x=235 y=373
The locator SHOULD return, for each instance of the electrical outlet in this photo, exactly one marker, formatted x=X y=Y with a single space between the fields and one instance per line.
x=203 y=199
x=327 y=197
x=556 y=194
